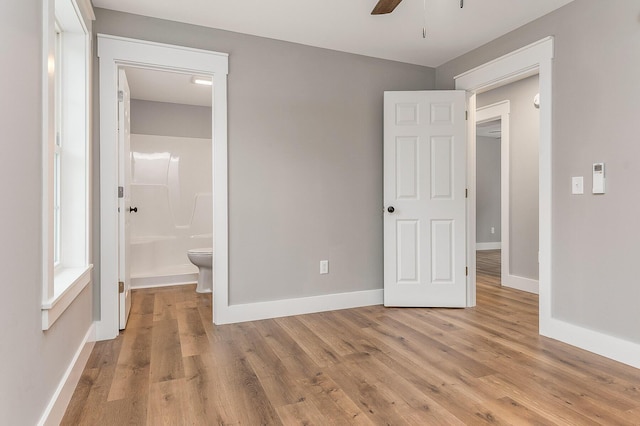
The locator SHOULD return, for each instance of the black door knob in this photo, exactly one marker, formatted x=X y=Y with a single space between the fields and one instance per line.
x=390 y=209
x=134 y=209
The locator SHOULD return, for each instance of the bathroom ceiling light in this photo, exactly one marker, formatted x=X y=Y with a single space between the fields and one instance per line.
x=202 y=81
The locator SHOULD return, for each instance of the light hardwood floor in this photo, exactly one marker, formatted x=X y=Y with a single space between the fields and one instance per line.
x=488 y=269
x=373 y=365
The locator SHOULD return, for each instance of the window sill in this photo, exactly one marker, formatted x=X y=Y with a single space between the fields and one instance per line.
x=68 y=284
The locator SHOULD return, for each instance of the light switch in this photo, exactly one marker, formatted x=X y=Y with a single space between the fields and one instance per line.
x=577 y=185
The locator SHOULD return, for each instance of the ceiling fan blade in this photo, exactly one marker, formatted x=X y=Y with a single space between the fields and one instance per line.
x=385 y=6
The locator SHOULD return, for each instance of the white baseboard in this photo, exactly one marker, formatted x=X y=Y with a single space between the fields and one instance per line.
x=164 y=281
x=57 y=406
x=599 y=343
x=299 y=306
x=489 y=246
x=521 y=283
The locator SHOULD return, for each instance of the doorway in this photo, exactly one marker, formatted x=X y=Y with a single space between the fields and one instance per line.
x=489 y=201
x=510 y=116
x=168 y=194
x=535 y=58
x=115 y=53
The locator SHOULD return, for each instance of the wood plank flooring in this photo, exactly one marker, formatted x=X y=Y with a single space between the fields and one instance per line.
x=365 y=366
x=488 y=269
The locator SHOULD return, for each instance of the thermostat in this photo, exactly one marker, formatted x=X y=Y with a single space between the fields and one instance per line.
x=598 y=178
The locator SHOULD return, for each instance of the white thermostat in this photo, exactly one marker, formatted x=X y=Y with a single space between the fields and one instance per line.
x=598 y=178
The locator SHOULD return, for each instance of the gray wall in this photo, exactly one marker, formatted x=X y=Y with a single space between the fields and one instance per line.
x=168 y=119
x=488 y=190
x=596 y=100
x=524 y=137
x=32 y=361
x=305 y=157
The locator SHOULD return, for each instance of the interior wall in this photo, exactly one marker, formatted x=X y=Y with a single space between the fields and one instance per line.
x=524 y=139
x=169 y=119
x=33 y=361
x=305 y=157
x=488 y=213
x=595 y=119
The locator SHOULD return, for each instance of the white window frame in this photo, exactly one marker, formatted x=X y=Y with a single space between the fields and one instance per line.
x=66 y=139
x=57 y=148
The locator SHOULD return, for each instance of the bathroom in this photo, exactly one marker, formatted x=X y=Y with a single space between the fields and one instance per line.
x=171 y=213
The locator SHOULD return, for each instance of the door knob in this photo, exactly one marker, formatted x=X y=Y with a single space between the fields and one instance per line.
x=134 y=209
x=390 y=209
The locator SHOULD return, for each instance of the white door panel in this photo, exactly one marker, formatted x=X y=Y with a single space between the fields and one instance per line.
x=124 y=203
x=425 y=183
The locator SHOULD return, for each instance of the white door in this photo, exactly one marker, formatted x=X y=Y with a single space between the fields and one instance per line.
x=124 y=201
x=424 y=199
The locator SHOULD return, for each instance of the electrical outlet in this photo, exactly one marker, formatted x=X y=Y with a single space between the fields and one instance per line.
x=493 y=230
x=324 y=266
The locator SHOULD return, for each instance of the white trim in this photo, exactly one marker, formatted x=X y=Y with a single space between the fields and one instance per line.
x=300 y=306
x=521 y=283
x=536 y=57
x=513 y=66
x=471 y=200
x=57 y=406
x=73 y=281
x=164 y=281
x=489 y=246
x=500 y=110
x=86 y=9
x=593 y=341
x=73 y=272
x=114 y=52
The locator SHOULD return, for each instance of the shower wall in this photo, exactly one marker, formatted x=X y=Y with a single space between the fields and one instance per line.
x=171 y=187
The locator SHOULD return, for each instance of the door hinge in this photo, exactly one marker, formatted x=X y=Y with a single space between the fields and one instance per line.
x=466 y=271
x=120 y=287
x=120 y=96
x=121 y=192
x=466 y=193
x=466 y=115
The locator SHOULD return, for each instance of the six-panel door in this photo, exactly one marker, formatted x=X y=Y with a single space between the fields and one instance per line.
x=424 y=183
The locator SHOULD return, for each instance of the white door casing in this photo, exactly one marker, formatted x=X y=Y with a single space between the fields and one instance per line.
x=124 y=200
x=424 y=199
x=113 y=53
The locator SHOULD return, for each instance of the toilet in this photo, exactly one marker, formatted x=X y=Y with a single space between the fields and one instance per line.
x=203 y=259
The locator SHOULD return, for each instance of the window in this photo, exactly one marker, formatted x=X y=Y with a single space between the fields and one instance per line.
x=57 y=142
x=66 y=236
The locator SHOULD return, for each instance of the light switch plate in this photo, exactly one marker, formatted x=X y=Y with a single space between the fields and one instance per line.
x=324 y=267
x=577 y=185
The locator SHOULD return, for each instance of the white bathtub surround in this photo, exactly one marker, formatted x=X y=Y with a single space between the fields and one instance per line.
x=171 y=188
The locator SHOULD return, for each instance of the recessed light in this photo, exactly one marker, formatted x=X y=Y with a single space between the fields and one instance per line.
x=202 y=81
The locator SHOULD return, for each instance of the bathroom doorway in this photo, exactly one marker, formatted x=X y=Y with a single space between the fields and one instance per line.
x=171 y=168
x=167 y=202
x=116 y=53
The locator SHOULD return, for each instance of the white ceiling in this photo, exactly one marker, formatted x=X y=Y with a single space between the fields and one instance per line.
x=162 y=86
x=347 y=25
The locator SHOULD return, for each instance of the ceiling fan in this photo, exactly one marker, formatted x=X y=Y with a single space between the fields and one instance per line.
x=387 y=6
